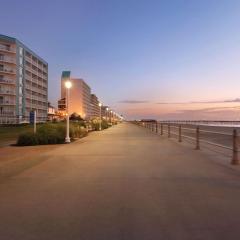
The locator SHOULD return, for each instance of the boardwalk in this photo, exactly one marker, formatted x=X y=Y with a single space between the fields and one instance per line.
x=122 y=183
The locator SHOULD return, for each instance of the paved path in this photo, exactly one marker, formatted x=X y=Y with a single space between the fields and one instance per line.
x=123 y=183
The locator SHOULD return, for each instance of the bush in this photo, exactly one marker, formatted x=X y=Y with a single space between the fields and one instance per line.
x=96 y=124
x=50 y=134
x=75 y=117
x=77 y=132
x=27 y=139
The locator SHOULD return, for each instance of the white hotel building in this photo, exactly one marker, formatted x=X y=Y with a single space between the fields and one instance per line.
x=23 y=82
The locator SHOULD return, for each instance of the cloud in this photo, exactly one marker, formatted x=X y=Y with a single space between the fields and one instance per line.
x=210 y=110
x=233 y=100
x=214 y=113
x=236 y=100
x=133 y=101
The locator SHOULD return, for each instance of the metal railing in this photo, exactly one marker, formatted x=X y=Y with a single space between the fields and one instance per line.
x=5 y=70
x=198 y=136
x=204 y=122
x=16 y=120
x=7 y=81
x=7 y=102
x=7 y=92
x=6 y=48
x=7 y=59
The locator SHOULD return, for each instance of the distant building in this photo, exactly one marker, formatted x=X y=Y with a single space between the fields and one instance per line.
x=79 y=97
x=95 y=109
x=105 y=112
x=62 y=105
x=23 y=82
x=51 y=112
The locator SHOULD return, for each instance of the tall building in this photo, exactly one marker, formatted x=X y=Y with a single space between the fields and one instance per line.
x=95 y=109
x=105 y=112
x=79 y=97
x=23 y=82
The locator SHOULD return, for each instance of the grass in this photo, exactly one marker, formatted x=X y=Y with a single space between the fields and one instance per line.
x=9 y=134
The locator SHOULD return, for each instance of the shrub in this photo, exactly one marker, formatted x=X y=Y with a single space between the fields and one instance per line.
x=75 y=117
x=96 y=124
x=51 y=134
x=27 y=139
x=77 y=131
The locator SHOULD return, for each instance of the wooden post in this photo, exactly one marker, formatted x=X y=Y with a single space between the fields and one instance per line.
x=161 y=129
x=169 y=131
x=180 y=133
x=235 y=160
x=197 y=139
x=156 y=127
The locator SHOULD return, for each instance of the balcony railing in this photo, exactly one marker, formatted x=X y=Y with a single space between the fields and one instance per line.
x=7 y=81
x=7 y=92
x=9 y=49
x=7 y=113
x=8 y=60
x=7 y=102
x=5 y=70
x=18 y=120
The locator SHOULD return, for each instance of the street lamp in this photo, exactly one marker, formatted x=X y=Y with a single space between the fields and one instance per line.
x=68 y=85
x=100 y=124
x=111 y=116
x=107 y=113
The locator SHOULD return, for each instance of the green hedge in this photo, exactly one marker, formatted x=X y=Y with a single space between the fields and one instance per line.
x=27 y=139
x=51 y=133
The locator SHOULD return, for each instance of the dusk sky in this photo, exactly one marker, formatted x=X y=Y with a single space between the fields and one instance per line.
x=172 y=59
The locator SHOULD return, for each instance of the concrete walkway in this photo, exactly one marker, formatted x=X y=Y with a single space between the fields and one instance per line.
x=122 y=183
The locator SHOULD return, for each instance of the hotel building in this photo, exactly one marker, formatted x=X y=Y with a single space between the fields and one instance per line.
x=79 y=97
x=95 y=109
x=23 y=82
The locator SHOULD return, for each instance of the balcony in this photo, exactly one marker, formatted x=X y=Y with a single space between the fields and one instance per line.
x=7 y=49
x=7 y=103
x=8 y=60
x=7 y=113
x=7 y=92
x=28 y=68
x=35 y=63
x=7 y=81
x=8 y=71
x=32 y=97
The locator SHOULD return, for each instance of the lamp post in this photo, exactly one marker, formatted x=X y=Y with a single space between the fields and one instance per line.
x=111 y=116
x=100 y=123
x=68 y=85
x=107 y=113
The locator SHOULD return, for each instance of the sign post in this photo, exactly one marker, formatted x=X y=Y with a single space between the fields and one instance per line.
x=33 y=120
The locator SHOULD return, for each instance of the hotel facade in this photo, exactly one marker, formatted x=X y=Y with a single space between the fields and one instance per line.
x=79 y=97
x=23 y=82
x=95 y=108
